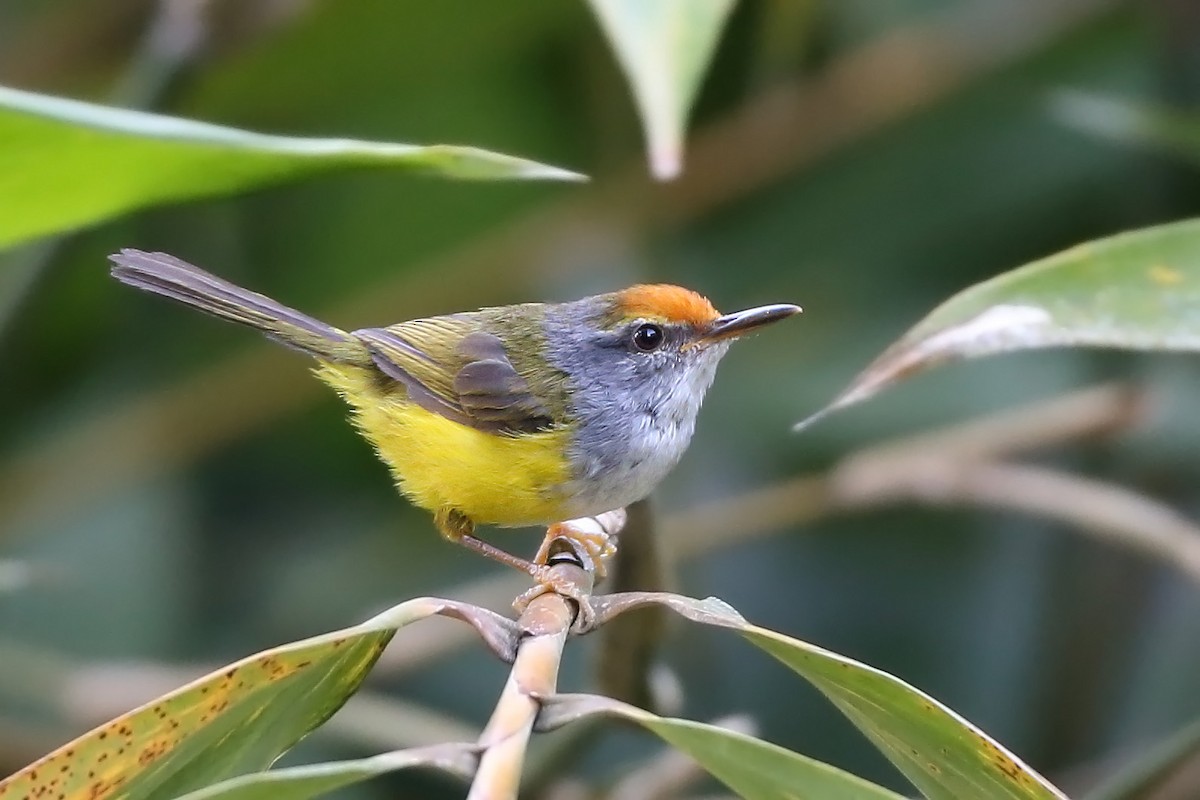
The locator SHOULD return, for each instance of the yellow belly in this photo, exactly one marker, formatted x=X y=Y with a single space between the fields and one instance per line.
x=439 y=464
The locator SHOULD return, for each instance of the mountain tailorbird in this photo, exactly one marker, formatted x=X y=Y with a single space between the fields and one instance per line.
x=519 y=415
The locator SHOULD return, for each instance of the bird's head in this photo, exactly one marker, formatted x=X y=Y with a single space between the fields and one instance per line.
x=665 y=318
x=651 y=348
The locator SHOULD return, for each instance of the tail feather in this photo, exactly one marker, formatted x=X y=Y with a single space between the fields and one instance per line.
x=171 y=277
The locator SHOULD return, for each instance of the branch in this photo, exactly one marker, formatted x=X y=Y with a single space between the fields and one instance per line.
x=546 y=621
x=1091 y=413
x=626 y=665
x=1098 y=412
x=1104 y=510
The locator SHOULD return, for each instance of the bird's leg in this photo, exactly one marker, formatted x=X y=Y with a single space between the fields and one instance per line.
x=593 y=541
x=458 y=528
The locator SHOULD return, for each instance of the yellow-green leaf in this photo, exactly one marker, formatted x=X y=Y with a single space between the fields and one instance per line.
x=236 y=720
x=65 y=164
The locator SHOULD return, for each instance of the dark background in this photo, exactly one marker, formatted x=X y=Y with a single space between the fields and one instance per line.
x=185 y=494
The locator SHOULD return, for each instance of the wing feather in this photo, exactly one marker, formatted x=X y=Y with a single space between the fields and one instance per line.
x=460 y=373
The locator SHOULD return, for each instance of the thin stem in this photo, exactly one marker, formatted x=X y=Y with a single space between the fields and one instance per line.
x=626 y=661
x=546 y=621
x=1104 y=510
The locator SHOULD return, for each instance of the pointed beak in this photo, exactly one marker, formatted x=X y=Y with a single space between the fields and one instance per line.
x=731 y=326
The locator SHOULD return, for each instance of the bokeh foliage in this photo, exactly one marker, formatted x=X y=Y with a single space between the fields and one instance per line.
x=188 y=495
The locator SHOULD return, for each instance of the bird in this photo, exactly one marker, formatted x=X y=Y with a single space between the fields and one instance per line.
x=511 y=416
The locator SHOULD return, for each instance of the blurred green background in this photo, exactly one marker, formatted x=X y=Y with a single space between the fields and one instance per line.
x=183 y=493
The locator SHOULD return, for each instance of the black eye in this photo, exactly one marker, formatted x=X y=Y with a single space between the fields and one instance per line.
x=648 y=337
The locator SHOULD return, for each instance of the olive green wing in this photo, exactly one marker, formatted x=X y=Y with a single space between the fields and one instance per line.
x=449 y=367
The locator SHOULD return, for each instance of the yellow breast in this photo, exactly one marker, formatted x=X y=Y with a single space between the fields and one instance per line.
x=494 y=479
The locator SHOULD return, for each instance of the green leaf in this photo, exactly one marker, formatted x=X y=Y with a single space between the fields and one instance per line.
x=301 y=783
x=944 y=755
x=1138 y=290
x=236 y=720
x=65 y=164
x=663 y=47
x=1176 y=132
x=749 y=766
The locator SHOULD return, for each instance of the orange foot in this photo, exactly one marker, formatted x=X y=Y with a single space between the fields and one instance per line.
x=546 y=582
x=593 y=544
x=593 y=538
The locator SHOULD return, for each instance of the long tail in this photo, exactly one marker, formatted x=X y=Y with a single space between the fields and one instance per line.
x=171 y=277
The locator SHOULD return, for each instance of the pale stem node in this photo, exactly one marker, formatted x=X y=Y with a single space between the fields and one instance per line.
x=548 y=615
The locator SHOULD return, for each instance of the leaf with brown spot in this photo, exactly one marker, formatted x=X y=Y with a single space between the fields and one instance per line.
x=236 y=720
x=944 y=755
x=1135 y=291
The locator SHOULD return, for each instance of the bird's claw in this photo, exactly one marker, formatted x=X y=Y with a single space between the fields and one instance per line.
x=592 y=542
x=593 y=547
x=547 y=583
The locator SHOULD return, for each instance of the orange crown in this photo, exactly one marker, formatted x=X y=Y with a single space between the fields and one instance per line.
x=667 y=303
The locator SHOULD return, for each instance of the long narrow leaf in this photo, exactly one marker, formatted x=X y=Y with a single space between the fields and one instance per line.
x=755 y=769
x=664 y=47
x=65 y=164
x=234 y=721
x=1138 y=290
x=313 y=780
x=944 y=755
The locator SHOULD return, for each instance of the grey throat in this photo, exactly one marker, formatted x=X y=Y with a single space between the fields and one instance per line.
x=635 y=412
